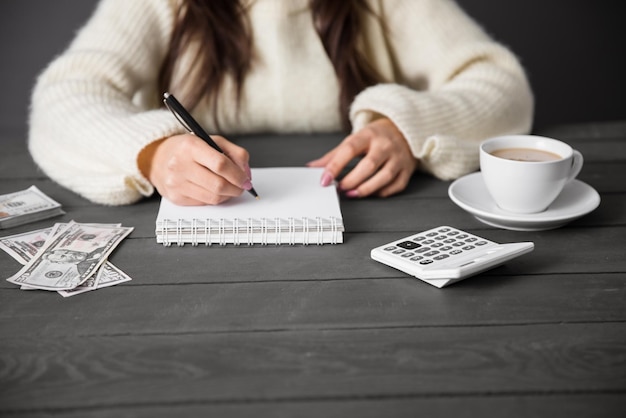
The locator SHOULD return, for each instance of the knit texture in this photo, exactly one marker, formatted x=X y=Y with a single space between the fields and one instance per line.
x=447 y=86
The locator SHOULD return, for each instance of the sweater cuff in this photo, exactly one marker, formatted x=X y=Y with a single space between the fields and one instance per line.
x=443 y=155
x=147 y=128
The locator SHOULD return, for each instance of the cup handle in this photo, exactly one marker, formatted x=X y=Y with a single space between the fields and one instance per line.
x=577 y=165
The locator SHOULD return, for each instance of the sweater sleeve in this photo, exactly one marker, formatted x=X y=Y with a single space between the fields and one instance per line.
x=96 y=106
x=455 y=87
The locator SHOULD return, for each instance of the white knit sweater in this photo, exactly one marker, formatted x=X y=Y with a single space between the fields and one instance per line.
x=447 y=86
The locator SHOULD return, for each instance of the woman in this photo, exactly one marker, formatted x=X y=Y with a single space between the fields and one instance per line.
x=417 y=84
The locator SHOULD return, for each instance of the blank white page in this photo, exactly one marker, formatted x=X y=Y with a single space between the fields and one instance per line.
x=285 y=192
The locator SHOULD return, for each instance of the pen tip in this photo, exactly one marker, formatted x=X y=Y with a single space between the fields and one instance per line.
x=253 y=193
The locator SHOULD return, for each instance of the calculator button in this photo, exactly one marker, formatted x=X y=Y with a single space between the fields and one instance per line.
x=449 y=241
x=430 y=254
x=455 y=252
x=437 y=245
x=431 y=234
x=444 y=230
x=422 y=250
x=407 y=255
x=398 y=251
x=462 y=236
x=428 y=241
x=427 y=261
x=453 y=233
x=446 y=248
x=416 y=258
x=457 y=244
x=468 y=247
x=408 y=245
x=471 y=240
x=417 y=239
x=481 y=243
x=441 y=257
x=390 y=248
x=440 y=237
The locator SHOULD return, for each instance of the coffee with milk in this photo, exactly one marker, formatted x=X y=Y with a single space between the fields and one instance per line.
x=525 y=154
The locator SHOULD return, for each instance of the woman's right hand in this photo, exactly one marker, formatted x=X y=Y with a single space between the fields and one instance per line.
x=188 y=171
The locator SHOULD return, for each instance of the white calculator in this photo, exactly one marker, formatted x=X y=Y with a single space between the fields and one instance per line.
x=445 y=255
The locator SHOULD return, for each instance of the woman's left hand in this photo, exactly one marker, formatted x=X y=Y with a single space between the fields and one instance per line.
x=386 y=166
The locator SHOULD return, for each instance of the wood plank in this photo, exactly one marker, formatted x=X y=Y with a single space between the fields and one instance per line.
x=398 y=218
x=378 y=215
x=68 y=199
x=578 y=405
x=408 y=212
x=93 y=372
x=601 y=150
x=144 y=306
x=564 y=251
x=600 y=175
x=587 y=131
x=16 y=161
x=297 y=150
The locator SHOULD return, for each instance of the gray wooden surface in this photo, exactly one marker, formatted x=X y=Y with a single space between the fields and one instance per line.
x=325 y=331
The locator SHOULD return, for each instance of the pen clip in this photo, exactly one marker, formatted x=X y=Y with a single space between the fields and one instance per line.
x=177 y=116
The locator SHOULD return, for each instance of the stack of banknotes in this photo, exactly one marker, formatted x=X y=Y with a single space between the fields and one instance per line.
x=69 y=258
x=25 y=206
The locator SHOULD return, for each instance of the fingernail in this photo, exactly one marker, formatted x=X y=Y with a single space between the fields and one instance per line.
x=353 y=193
x=247 y=185
x=327 y=179
x=248 y=171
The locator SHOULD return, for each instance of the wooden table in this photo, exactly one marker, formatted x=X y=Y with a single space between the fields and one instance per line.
x=324 y=331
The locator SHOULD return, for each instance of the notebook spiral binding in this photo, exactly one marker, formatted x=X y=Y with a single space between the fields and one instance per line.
x=250 y=231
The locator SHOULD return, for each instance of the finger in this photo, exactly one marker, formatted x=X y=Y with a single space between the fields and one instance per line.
x=396 y=186
x=383 y=177
x=327 y=178
x=211 y=182
x=322 y=161
x=350 y=148
x=190 y=194
x=365 y=169
x=220 y=164
x=237 y=154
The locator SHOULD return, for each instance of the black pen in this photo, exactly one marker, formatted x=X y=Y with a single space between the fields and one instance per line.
x=192 y=126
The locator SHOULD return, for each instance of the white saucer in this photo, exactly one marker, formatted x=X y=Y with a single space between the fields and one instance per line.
x=576 y=199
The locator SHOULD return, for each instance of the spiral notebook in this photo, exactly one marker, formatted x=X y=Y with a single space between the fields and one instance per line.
x=293 y=209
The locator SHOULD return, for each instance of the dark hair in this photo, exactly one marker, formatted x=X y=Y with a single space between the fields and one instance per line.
x=223 y=30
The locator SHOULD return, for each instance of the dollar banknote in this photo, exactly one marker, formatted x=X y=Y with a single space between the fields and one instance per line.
x=108 y=275
x=26 y=206
x=23 y=247
x=68 y=258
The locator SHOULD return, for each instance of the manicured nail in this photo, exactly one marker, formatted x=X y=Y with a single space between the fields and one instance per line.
x=247 y=185
x=327 y=179
x=353 y=193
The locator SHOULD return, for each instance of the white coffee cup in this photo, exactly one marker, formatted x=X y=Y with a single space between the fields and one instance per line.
x=527 y=184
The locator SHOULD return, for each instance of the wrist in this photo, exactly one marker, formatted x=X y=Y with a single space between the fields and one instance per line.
x=146 y=158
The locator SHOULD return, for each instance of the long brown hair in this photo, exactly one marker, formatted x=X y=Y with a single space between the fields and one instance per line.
x=221 y=26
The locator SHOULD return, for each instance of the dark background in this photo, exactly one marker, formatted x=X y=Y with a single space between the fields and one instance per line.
x=570 y=48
